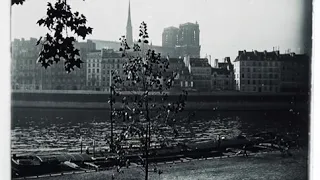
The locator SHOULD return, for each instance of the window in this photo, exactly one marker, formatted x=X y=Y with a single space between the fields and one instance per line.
x=186 y=83
x=88 y=64
x=89 y=70
x=248 y=81
x=98 y=65
x=97 y=70
x=270 y=76
x=103 y=78
x=253 y=81
x=242 y=75
x=93 y=65
x=93 y=70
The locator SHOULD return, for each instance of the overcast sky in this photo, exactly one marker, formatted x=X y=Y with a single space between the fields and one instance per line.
x=226 y=26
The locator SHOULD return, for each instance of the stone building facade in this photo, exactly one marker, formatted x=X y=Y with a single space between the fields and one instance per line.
x=170 y=37
x=295 y=73
x=200 y=70
x=258 y=71
x=222 y=76
x=27 y=74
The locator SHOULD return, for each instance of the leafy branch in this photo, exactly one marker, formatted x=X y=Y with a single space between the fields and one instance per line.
x=17 y=2
x=57 y=45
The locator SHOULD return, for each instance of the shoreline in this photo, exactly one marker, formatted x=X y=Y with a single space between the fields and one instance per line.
x=216 y=106
x=171 y=168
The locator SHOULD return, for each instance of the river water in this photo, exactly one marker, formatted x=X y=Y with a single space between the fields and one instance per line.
x=37 y=130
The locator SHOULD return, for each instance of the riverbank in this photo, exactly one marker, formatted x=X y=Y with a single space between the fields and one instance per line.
x=262 y=166
x=225 y=106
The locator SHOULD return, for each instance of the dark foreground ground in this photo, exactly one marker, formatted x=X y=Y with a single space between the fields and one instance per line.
x=270 y=166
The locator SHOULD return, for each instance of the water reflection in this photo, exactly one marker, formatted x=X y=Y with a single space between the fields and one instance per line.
x=58 y=130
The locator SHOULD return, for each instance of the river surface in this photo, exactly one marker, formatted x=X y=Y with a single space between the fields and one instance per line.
x=37 y=130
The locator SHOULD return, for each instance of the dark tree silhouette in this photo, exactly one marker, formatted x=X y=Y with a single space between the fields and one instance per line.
x=17 y=2
x=57 y=45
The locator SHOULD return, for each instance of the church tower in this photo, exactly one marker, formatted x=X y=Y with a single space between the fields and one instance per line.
x=129 y=28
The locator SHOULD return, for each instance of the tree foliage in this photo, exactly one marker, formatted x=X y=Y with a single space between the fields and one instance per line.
x=146 y=73
x=57 y=44
x=17 y=2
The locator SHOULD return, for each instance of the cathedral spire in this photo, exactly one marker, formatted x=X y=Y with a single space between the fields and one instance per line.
x=129 y=27
x=129 y=16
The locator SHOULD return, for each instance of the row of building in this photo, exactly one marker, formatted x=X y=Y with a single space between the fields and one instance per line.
x=250 y=72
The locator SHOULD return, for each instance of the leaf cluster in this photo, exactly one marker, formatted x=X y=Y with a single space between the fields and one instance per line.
x=18 y=2
x=57 y=45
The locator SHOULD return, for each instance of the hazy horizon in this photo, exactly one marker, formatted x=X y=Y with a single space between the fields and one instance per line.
x=225 y=26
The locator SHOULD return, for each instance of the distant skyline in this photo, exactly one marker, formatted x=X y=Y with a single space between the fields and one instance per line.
x=225 y=26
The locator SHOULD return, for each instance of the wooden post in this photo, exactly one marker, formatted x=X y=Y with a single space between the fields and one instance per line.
x=81 y=145
x=94 y=150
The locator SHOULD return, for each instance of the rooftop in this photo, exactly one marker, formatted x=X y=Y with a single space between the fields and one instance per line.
x=220 y=71
x=170 y=28
x=294 y=57
x=199 y=62
x=189 y=24
x=94 y=54
x=175 y=60
x=257 y=56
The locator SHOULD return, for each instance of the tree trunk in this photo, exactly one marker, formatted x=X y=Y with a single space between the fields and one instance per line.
x=147 y=144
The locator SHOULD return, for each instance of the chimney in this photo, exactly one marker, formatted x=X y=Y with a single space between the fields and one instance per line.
x=210 y=60
x=186 y=60
x=216 y=63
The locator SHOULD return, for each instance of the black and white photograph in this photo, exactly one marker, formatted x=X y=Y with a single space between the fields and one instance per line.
x=160 y=89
